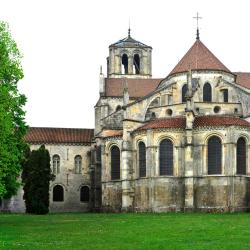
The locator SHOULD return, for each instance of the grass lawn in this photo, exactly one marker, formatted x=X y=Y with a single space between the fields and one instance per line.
x=125 y=231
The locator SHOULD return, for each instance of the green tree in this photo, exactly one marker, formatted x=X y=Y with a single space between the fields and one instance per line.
x=12 y=124
x=36 y=176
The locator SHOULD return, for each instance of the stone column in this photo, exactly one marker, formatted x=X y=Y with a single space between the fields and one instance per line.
x=130 y=65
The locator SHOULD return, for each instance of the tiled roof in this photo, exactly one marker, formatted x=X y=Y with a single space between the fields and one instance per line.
x=211 y=121
x=176 y=122
x=243 y=79
x=37 y=135
x=112 y=133
x=199 y=57
x=129 y=42
x=136 y=87
x=200 y=121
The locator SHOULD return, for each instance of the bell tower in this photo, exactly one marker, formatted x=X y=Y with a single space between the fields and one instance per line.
x=129 y=58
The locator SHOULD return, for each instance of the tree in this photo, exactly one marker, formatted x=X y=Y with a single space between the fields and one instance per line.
x=36 y=176
x=12 y=124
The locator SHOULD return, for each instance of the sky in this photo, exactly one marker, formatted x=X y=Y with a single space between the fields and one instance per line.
x=64 y=42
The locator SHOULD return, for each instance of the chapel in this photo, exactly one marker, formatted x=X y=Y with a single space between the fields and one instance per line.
x=179 y=143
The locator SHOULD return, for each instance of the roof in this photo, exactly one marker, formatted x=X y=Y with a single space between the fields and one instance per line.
x=129 y=42
x=200 y=121
x=136 y=87
x=243 y=79
x=199 y=57
x=39 y=135
x=211 y=121
x=176 y=122
x=112 y=133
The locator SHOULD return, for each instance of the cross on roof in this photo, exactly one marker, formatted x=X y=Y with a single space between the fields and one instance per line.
x=197 y=17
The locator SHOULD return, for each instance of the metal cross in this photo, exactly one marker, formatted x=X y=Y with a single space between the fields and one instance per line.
x=197 y=17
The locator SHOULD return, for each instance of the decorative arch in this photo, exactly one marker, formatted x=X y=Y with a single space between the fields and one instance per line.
x=184 y=92
x=166 y=157
x=214 y=155
x=207 y=92
x=115 y=162
x=58 y=193
x=241 y=156
x=84 y=193
x=142 y=159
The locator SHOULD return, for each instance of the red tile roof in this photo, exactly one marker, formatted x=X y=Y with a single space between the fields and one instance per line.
x=211 y=121
x=112 y=133
x=38 y=135
x=200 y=121
x=243 y=79
x=176 y=122
x=199 y=57
x=136 y=87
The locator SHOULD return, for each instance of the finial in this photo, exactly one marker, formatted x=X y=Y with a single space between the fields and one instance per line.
x=129 y=28
x=197 y=17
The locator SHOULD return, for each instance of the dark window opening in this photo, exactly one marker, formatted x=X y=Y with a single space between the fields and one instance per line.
x=153 y=116
x=142 y=159
x=216 y=109
x=225 y=95
x=84 y=194
x=136 y=64
x=241 y=156
x=214 y=155
x=184 y=92
x=118 y=108
x=166 y=157
x=207 y=93
x=124 y=64
x=169 y=112
x=58 y=193
x=115 y=163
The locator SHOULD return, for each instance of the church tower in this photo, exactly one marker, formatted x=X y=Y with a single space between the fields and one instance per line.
x=129 y=58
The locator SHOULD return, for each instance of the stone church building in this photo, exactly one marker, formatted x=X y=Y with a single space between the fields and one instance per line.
x=180 y=143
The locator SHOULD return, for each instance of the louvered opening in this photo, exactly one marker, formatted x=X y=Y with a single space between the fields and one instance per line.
x=214 y=155
x=115 y=163
x=142 y=160
x=241 y=156
x=166 y=157
x=207 y=93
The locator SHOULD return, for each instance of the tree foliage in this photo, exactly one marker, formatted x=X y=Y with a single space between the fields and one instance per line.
x=12 y=124
x=36 y=176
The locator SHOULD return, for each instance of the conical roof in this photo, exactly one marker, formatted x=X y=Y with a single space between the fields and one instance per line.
x=199 y=57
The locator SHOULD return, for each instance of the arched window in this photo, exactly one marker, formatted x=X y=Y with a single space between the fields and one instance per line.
x=124 y=64
x=184 y=92
x=84 y=194
x=142 y=159
x=56 y=164
x=78 y=164
x=214 y=155
x=115 y=163
x=207 y=92
x=166 y=157
x=241 y=156
x=136 y=64
x=58 y=193
x=225 y=95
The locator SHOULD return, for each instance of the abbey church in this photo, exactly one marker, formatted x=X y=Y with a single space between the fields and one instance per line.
x=179 y=143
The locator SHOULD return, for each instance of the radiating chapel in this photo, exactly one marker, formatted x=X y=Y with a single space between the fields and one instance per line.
x=179 y=143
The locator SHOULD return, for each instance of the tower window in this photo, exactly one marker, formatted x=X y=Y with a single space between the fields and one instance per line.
x=136 y=64
x=124 y=64
x=115 y=163
x=225 y=95
x=214 y=155
x=207 y=93
x=184 y=92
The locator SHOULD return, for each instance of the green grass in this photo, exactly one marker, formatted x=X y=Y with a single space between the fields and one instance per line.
x=125 y=231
